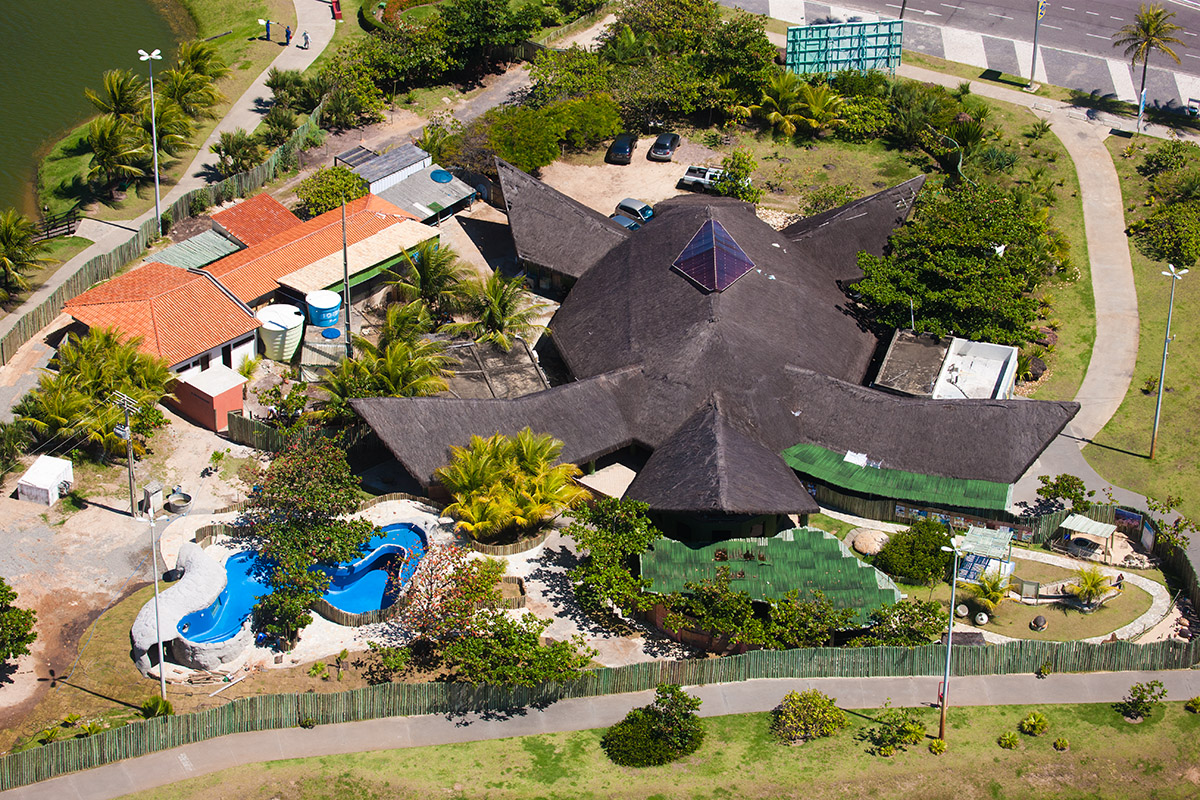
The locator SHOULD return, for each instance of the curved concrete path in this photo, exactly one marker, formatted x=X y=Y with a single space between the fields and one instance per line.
x=203 y=758
x=311 y=15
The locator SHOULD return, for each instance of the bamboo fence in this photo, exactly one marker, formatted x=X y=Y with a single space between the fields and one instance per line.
x=270 y=712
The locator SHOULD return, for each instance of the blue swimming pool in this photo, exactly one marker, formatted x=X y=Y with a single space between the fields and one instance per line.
x=357 y=587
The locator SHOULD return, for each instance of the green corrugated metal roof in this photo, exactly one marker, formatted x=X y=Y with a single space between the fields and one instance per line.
x=801 y=558
x=832 y=468
x=198 y=251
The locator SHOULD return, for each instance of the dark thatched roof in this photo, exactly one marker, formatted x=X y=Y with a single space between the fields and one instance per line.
x=720 y=383
x=833 y=239
x=419 y=431
x=991 y=440
x=707 y=465
x=552 y=230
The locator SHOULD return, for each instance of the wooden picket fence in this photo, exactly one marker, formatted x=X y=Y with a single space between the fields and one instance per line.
x=270 y=712
x=105 y=265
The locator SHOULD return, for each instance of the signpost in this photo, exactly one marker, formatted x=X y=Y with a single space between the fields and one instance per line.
x=1037 y=24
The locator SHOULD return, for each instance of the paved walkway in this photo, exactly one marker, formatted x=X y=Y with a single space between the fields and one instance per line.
x=203 y=758
x=311 y=15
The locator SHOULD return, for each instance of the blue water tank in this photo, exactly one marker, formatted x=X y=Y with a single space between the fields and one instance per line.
x=323 y=307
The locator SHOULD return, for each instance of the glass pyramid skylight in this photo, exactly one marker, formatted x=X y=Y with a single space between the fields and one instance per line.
x=712 y=259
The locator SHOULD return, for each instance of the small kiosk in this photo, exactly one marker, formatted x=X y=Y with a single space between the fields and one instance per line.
x=985 y=550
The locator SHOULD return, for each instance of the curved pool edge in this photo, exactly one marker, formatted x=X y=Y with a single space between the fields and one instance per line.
x=203 y=581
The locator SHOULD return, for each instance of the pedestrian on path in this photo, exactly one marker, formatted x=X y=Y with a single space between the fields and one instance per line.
x=287 y=36
x=268 y=30
x=306 y=40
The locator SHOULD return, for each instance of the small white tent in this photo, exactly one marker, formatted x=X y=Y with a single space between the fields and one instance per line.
x=47 y=480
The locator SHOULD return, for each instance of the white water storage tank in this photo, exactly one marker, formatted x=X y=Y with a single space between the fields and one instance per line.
x=323 y=307
x=281 y=331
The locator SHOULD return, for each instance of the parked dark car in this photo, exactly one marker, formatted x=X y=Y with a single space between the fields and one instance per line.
x=664 y=147
x=625 y=222
x=621 y=150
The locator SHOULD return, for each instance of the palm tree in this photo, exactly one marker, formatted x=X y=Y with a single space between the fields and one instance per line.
x=56 y=409
x=629 y=49
x=202 y=57
x=990 y=590
x=117 y=151
x=819 y=108
x=401 y=369
x=780 y=104
x=500 y=309
x=1150 y=30
x=123 y=94
x=436 y=277
x=405 y=322
x=278 y=125
x=1090 y=585
x=474 y=468
x=19 y=252
x=170 y=124
x=286 y=85
x=192 y=91
x=237 y=151
x=14 y=438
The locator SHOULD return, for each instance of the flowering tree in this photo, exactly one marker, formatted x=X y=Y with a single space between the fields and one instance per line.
x=447 y=590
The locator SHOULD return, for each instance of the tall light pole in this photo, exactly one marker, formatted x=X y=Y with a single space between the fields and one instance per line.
x=1176 y=275
x=162 y=659
x=949 y=639
x=150 y=58
x=1037 y=24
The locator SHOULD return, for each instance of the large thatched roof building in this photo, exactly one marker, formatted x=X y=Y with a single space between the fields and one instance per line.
x=732 y=353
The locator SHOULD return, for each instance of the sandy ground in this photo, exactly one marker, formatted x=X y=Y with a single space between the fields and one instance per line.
x=603 y=186
x=70 y=567
x=585 y=38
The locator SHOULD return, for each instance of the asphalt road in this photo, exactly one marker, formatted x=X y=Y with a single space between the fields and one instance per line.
x=1084 y=26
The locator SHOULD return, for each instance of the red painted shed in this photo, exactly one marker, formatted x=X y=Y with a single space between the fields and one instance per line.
x=206 y=397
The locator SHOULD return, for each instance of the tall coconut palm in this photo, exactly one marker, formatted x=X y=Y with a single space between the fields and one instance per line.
x=122 y=95
x=55 y=409
x=194 y=93
x=401 y=369
x=117 y=151
x=405 y=322
x=475 y=468
x=500 y=309
x=819 y=109
x=1150 y=30
x=202 y=57
x=435 y=276
x=780 y=106
x=19 y=253
x=170 y=125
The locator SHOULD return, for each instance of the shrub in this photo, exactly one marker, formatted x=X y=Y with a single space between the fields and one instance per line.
x=997 y=159
x=806 y=715
x=156 y=707
x=827 y=197
x=317 y=670
x=664 y=731
x=937 y=746
x=1008 y=740
x=386 y=662
x=1035 y=724
x=328 y=187
x=896 y=729
x=1142 y=699
x=308 y=722
x=866 y=118
x=1193 y=705
x=915 y=555
x=1167 y=156
x=198 y=204
x=1061 y=744
x=166 y=221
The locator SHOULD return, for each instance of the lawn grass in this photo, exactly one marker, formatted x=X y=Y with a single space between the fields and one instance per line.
x=834 y=526
x=973 y=73
x=1121 y=450
x=1108 y=758
x=62 y=181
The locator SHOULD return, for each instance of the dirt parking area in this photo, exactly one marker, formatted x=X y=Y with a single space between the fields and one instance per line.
x=601 y=186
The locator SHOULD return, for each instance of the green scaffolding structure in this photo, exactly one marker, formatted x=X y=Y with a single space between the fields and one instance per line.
x=859 y=46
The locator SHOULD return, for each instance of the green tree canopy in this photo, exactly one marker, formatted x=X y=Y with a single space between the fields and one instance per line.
x=20 y=254
x=475 y=28
x=16 y=625
x=909 y=623
x=967 y=262
x=610 y=533
x=915 y=555
x=503 y=651
x=328 y=187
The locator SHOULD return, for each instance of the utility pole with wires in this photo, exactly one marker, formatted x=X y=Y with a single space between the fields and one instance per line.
x=128 y=405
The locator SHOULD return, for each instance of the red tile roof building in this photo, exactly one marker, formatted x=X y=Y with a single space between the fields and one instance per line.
x=255 y=220
x=179 y=314
x=253 y=274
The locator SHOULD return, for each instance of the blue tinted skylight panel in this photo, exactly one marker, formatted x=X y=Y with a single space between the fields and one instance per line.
x=712 y=259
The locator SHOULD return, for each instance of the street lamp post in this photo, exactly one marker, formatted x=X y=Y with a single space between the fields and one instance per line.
x=162 y=670
x=1176 y=275
x=949 y=640
x=150 y=58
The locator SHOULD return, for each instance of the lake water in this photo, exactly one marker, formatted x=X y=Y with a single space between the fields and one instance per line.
x=48 y=53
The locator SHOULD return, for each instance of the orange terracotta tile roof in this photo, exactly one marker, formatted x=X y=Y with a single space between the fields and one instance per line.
x=178 y=314
x=256 y=219
x=255 y=271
